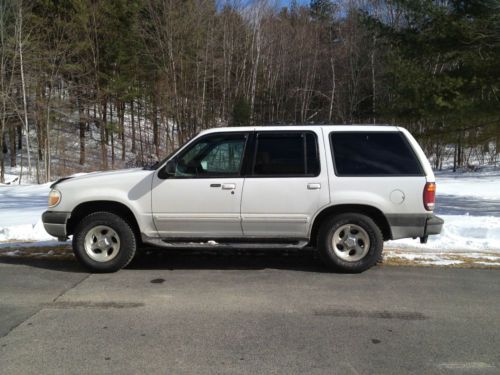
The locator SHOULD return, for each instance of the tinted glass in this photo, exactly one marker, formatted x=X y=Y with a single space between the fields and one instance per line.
x=213 y=156
x=286 y=154
x=312 y=155
x=373 y=154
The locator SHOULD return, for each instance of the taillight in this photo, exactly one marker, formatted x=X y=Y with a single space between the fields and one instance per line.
x=429 y=196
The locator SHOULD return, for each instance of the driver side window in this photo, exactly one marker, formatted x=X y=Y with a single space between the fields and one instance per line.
x=218 y=155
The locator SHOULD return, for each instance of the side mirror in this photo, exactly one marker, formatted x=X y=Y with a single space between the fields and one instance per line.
x=168 y=170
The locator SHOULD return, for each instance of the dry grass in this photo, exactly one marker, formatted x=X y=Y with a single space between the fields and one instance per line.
x=467 y=263
x=58 y=252
x=462 y=259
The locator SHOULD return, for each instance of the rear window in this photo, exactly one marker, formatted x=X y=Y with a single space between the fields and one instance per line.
x=373 y=154
x=288 y=154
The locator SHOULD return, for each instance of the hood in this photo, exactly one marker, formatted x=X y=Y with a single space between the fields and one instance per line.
x=103 y=175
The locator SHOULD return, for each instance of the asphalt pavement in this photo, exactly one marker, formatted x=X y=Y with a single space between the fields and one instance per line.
x=277 y=312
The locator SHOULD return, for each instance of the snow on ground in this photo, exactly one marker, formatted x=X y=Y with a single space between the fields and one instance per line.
x=463 y=233
x=10 y=179
x=483 y=184
x=469 y=202
x=12 y=245
x=21 y=207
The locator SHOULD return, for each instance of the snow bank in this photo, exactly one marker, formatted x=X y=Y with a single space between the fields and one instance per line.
x=26 y=232
x=21 y=208
x=9 y=179
x=469 y=203
x=460 y=233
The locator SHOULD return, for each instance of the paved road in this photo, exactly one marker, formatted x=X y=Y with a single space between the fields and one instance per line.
x=230 y=313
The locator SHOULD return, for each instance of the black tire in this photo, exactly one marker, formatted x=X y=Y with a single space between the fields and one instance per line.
x=330 y=256
x=123 y=242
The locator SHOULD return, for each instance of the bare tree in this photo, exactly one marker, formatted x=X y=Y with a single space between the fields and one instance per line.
x=23 y=85
x=8 y=54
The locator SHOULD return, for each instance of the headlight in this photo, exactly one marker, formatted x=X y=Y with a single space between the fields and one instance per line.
x=54 y=197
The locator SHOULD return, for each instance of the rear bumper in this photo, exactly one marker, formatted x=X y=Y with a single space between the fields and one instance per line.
x=414 y=225
x=55 y=222
x=433 y=225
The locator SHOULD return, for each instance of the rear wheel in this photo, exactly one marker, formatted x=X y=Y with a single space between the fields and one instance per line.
x=350 y=242
x=104 y=242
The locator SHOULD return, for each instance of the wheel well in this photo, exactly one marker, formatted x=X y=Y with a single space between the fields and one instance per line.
x=375 y=214
x=87 y=208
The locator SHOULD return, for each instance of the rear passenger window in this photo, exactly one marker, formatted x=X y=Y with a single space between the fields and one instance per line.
x=373 y=154
x=288 y=154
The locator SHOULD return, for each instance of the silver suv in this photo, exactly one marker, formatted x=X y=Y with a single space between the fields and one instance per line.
x=342 y=189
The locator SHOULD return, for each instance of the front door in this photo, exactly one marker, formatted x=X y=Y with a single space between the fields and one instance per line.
x=202 y=198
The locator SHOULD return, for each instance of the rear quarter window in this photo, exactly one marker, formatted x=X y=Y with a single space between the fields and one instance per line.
x=373 y=154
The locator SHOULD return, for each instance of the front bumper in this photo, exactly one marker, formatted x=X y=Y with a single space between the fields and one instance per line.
x=55 y=222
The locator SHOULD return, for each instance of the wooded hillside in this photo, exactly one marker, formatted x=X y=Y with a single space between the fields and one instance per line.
x=139 y=77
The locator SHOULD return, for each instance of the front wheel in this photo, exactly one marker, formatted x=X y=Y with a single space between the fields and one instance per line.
x=104 y=242
x=350 y=242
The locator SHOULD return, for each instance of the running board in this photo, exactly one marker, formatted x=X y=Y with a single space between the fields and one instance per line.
x=224 y=245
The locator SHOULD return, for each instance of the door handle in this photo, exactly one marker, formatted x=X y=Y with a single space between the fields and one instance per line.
x=314 y=186
x=228 y=186
x=214 y=185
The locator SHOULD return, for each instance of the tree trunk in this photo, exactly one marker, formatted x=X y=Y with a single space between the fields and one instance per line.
x=112 y=136
x=156 y=135
x=12 y=142
x=3 y=151
x=111 y=132
x=438 y=156
x=2 y=166
x=141 y=143
x=497 y=147
x=460 y=150
x=132 y=123
x=372 y=61
x=23 y=85
x=455 y=158
x=332 y=96
x=82 y=125
x=19 y=129
x=122 y=128
x=39 y=122
x=47 y=139
x=103 y=124
x=257 y=39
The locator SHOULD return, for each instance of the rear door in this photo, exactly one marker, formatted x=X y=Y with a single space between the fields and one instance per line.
x=285 y=185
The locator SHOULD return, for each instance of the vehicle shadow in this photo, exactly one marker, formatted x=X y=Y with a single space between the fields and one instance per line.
x=229 y=259
x=192 y=259
x=59 y=264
